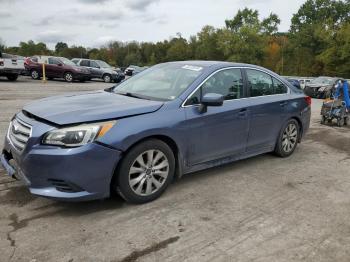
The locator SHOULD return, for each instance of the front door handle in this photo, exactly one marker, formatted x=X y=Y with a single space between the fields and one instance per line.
x=242 y=112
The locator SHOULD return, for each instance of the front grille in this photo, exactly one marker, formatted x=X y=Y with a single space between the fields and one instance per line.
x=19 y=133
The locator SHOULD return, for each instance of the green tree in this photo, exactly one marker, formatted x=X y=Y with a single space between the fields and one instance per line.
x=60 y=46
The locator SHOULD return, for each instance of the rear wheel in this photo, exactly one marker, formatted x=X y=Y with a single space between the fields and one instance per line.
x=35 y=74
x=145 y=172
x=68 y=77
x=12 y=77
x=288 y=139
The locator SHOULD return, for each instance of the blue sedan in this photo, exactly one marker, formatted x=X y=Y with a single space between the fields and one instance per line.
x=135 y=138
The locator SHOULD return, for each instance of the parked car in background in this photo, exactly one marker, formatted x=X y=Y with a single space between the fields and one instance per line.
x=135 y=137
x=304 y=81
x=100 y=69
x=321 y=87
x=133 y=70
x=10 y=66
x=56 y=67
x=294 y=82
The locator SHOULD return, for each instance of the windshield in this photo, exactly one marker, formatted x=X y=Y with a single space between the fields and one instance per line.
x=67 y=61
x=323 y=81
x=161 y=82
x=103 y=64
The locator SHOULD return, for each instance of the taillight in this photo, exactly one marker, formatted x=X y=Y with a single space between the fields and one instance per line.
x=308 y=100
x=1 y=63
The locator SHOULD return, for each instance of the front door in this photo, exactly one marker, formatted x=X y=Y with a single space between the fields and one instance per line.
x=221 y=131
x=54 y=68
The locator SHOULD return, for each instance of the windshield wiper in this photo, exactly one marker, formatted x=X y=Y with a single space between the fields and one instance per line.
x=129 y=94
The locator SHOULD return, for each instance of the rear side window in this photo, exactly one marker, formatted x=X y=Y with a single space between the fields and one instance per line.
x=262 y=84
x=85 y=63
x=278 y=87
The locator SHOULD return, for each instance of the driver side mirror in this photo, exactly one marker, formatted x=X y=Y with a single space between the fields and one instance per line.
x=211 y=99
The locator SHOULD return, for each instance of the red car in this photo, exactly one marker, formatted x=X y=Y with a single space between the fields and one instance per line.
x=56 y=67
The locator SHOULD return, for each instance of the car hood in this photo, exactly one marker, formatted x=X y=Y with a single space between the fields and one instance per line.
x=89 y=107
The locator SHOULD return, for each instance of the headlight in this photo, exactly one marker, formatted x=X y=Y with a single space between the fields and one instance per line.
x=77 y=135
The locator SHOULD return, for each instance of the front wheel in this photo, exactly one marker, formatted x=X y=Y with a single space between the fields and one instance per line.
x=68 y=77
x=145 y=172
x=288 y=139
x=107 y=78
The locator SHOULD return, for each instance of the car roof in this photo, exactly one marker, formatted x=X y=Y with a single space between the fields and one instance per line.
x=217 y=64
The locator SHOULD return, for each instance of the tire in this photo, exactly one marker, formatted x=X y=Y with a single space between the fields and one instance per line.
x=35 y=74
x=288 y=139
x=107 y=78
x=340 y=122
x=12 y=77
x=323 y=120
x=145 y=182
x=68 y=77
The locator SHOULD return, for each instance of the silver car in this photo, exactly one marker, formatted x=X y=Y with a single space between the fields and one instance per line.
x=100 y=69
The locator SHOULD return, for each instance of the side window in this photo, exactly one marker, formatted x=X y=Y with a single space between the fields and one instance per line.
x=278 y=87
x=84 y=63
x=53 y=61
x=228 y=82
x=259 y=83
x=94 y=64
x=194 y=99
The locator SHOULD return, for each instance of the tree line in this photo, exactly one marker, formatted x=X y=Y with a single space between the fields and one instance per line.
x=317 y=43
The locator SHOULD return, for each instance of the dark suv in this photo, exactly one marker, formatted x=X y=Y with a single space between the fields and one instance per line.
x=56 y=67
x=100 y=69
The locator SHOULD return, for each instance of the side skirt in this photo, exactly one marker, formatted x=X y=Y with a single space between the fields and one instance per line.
x=226 y=160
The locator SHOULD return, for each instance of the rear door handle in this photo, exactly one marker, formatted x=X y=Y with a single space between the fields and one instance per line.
x=284 y=103
x=242 y=112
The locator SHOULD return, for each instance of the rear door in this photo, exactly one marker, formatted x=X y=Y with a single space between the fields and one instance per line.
x=268 y=102
x=221 y=131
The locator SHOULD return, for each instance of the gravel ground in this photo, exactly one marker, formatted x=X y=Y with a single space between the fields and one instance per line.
x=261 y=209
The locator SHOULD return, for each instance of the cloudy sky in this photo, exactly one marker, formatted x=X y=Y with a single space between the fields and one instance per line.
x=96 y=22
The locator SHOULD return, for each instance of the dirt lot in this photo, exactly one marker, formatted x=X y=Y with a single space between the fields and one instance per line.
x=261 y=209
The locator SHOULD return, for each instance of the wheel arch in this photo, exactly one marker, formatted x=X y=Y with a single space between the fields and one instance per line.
x=164 y=138
x=301 y=128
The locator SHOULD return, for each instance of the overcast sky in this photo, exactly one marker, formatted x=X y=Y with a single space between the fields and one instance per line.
x=95 y=22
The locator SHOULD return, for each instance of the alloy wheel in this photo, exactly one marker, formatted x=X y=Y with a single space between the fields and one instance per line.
x=107 y=79
x=69 y=77
x=148 y=172
x=35 y=74
x=289 y=138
